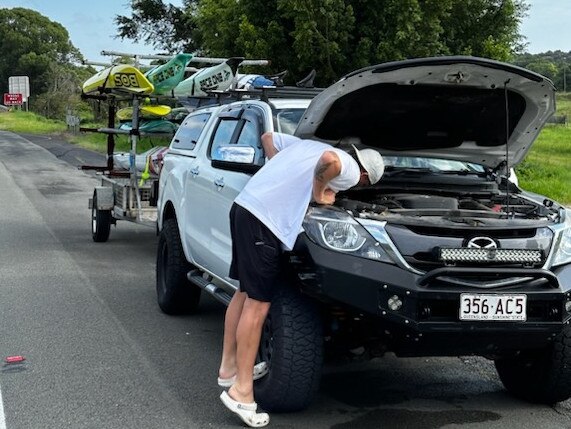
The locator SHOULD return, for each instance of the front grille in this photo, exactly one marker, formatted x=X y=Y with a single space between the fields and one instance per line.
x=426 y=248
x=512 y=256
x=461 y=233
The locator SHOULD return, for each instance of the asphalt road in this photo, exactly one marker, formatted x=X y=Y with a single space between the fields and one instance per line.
x=100 y=354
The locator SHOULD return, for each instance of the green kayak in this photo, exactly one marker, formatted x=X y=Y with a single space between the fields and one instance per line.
x=152 y=126
x=166 y=76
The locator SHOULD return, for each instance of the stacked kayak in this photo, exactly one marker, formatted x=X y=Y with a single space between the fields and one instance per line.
x=146 y=111
x=151 y=160
x=152 y=126
x=253 y=81
x=167 y=79
x=127 y=78
x=167 y=76
x=218 y=77
x=122 y=78
x=151 y=119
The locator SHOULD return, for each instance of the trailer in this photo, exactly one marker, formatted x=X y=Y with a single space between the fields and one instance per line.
x=131 y=194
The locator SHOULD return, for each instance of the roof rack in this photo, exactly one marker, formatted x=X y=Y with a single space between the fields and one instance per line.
x=264 y=93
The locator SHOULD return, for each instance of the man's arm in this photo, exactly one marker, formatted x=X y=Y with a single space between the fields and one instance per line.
x=327 y=168
x=268 y=145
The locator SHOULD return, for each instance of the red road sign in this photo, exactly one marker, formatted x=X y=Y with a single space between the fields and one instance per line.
x=12 y=99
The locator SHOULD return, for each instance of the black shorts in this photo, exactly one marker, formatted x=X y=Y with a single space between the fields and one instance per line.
x=256 y=255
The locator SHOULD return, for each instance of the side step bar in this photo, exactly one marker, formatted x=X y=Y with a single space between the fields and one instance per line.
x=195 y=277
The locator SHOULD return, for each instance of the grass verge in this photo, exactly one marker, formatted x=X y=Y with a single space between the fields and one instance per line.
x=30 y=123
x=545 y=170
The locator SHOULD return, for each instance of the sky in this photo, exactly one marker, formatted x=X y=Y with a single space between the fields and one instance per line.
x=91 y=27
x=90 y=23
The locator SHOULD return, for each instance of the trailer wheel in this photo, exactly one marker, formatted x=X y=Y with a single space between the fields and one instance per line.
x=100 y=222
x=175 y=293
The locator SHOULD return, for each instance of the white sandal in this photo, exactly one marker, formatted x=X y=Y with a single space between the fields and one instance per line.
x=260 y=370
x=247 y=412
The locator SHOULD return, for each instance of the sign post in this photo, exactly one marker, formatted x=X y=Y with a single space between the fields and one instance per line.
x=20 y=85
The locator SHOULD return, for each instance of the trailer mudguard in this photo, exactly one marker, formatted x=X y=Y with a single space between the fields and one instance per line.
x=105 y=200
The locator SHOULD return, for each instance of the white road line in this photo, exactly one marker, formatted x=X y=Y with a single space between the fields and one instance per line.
x=2 y=418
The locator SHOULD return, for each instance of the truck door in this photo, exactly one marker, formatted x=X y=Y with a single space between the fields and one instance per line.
x=242 y=126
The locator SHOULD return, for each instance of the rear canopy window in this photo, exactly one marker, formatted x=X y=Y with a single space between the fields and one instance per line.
x=287 y=120
x=189 y=132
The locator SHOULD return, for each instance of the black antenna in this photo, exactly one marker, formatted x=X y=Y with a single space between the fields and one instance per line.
x=507 y=110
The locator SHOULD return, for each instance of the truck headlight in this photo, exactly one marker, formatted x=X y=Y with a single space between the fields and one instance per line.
x=337 y=230
x=562 y=250
x=342 y=236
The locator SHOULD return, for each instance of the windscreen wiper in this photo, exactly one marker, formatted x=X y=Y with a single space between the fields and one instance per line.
x=390 y=172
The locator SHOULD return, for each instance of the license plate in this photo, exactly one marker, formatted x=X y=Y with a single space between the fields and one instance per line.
x=493 y=307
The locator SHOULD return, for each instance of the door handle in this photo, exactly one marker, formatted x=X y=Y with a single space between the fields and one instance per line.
x=194 y=171
x=219 y=183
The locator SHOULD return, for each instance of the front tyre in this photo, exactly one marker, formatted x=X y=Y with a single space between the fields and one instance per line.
x=292 y=344
x=100 y=222
x=540 y=376
x=175 y=293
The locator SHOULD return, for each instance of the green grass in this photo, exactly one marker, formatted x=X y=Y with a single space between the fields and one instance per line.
x=98 y=142
x=546 y=168
x=28 y=122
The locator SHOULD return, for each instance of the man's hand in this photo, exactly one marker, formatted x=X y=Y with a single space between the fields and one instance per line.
x=328 y=197
x=327 y=168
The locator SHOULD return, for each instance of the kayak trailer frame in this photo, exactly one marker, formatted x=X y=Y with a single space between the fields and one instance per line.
x=122 y=194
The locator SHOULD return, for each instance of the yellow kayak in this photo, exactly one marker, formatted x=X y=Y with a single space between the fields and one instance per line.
x=145 y=112
x=122 y=77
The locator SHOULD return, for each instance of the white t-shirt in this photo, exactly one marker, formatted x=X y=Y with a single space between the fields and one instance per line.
x=280 y=192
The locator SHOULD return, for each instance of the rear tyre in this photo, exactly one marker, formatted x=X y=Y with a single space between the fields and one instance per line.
x=540 y=376
x=175 y=293
x=292 y=345
x=100 y=222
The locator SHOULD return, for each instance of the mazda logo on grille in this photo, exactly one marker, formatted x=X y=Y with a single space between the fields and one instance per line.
x=482 y=243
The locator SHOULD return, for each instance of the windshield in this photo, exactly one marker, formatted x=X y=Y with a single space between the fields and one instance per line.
x=433 y=164
x=287 y=120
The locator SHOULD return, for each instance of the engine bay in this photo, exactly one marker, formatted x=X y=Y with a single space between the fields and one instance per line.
x=376 y=204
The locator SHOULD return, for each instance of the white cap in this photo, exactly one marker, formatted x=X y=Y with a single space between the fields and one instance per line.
x=372 y=162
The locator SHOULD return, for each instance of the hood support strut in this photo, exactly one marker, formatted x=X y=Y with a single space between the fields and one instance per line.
x=508 y=172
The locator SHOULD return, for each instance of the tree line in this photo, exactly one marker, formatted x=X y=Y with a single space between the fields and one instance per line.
x=556 y=65
x=333 y=37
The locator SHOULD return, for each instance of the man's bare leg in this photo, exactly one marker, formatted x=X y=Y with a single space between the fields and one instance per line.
x=228 y=365
x=248 y=337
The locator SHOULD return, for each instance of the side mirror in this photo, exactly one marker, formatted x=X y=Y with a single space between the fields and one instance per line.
x=234 y=153
x=235 y=158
